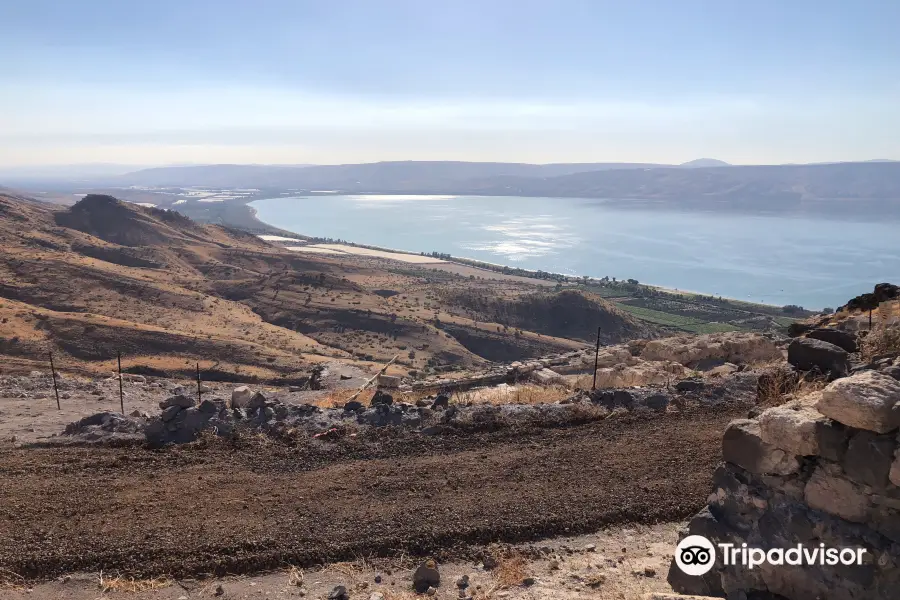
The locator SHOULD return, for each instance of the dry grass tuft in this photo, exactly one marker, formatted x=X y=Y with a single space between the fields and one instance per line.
x=881 y=340
x=295 y=576
x=781 y=385
x=10 y=580
x=130 y=584
x=510 y=571
x=338 y=398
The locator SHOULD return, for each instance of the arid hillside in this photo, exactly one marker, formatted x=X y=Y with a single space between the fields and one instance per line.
x=105 y=276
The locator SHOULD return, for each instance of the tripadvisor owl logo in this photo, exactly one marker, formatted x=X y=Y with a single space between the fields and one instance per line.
x=695 y=555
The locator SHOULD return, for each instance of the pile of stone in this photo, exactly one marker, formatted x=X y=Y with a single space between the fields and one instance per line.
x=669 y=360
x=822 y=469
x=107 y=425
x=739 y=387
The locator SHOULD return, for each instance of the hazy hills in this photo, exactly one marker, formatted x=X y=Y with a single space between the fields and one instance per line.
x=701 y=181
x=381 y=176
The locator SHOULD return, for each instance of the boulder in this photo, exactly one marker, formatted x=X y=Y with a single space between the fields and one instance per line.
x=640 y=373
x=869 y=458
x=339 y=592
x=547 y=377
x=723 y=370
x=867 y=400
x=441 y=402
x=892 y=371
x=657 y=402
x=807 y=354
x=381 y=398
x=180 y=400
x=388 y=381
x=623 y=398
x=830 y=491
x=689 y=385
x=798 y=328
x=801 y=430
x=257 y=401
x=426 y=576
x=240 y=396
x=894 y=475
x=209 y=406
x=353 y=406
x=169 y=413
x=742 y=445
x=610 y=357
x=841 y=339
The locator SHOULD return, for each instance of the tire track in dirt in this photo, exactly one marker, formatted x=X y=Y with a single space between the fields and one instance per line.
x=220 y=507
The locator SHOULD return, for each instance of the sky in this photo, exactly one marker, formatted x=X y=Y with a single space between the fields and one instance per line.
x=345 y=81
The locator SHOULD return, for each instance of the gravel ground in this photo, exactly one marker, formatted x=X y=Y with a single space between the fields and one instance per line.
x=252 y=504
x=618 y=562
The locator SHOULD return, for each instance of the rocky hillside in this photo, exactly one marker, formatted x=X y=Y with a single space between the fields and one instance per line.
x=569 y=313
x=105 y=276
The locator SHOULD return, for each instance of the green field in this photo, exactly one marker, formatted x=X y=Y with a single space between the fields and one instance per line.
x=675 y=321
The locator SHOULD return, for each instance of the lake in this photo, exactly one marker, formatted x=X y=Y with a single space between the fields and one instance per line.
x=806 y=260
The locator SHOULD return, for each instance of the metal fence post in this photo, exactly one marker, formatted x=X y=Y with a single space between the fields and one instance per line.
x=55 y=387
x=121 y=393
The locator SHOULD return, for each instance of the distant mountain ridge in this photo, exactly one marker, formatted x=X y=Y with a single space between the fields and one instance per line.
x=766 y=186
x=387 y=174
x=705 y=162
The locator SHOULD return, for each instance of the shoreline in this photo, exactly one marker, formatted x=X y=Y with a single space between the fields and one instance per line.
x=496 y=267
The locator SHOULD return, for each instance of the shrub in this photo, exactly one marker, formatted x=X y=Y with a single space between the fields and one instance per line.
x=881 y=340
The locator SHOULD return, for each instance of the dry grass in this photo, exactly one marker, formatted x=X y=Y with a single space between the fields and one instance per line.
x=782 y=386
x=526 y=393
x=295 y=576
x=510 y=571
x=10 y=580
x=881 y=340
x=338 y=398
x=131 y=585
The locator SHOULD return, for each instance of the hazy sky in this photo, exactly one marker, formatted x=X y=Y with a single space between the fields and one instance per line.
x=331 y=81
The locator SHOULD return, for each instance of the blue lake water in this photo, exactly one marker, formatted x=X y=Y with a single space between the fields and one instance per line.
x=806 y=260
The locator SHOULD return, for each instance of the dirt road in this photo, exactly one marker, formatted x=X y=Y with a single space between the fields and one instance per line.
x=222 y=507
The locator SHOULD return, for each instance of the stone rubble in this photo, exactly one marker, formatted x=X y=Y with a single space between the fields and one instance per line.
x=822 y=469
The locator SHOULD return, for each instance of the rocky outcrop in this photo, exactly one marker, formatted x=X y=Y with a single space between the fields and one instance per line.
x=820 y=470
x=733 y=347
x=883 y=292
x=640 y=373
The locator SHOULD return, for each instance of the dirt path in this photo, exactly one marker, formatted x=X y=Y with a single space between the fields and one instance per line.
x=623 y=563
x=238 y=508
